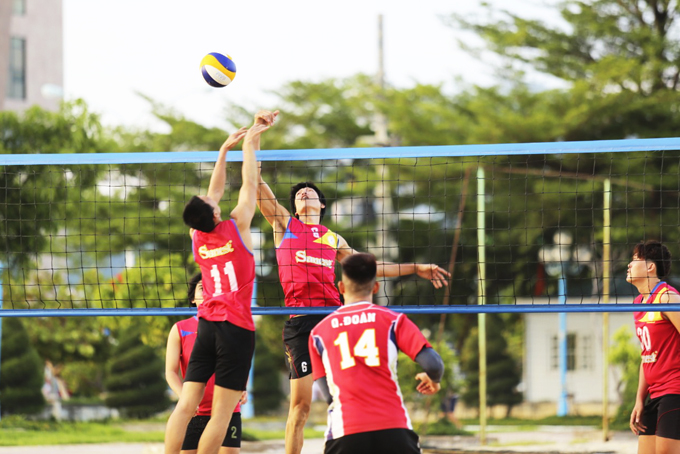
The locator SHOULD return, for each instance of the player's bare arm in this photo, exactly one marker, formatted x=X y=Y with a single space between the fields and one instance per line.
x=172 y=361
x=433 y=273
x=244 y=211
x=636 y=415
x=219 y=175
x=673 y=317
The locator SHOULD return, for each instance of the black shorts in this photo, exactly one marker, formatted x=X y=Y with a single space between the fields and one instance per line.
x=389 y=441
x=197 y=426
x=661 y=416
x=224 y=349
x=296 y=343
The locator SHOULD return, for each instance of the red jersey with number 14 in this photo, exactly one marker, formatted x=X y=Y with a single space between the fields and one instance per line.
x=356 y=349
x=187 y=335
x=306 y=259
x=228 y=269
x=660 y=343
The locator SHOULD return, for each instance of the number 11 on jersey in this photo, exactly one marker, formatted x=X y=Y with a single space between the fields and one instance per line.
x=217 y=278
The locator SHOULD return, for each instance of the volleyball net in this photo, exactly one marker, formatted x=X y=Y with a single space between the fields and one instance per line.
x=543 y=227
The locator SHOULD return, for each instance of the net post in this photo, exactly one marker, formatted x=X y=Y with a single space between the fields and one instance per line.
x=481 y=318
x=606 y=262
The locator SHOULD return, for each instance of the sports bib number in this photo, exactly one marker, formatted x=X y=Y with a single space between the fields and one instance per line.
x=645 y=338
x=217 y=278
x=365 y=348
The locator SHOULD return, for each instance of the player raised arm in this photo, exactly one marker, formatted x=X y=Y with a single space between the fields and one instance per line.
x=433 y=273
x=275 y=213
x=244 y=211
x=219 y=175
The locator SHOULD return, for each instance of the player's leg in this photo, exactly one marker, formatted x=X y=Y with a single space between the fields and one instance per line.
x=646 y=444
x=193 y=434
x=232 y=441
x=296 y=343
x=234 y=354
x=298 y=413
x=668 y=425
x=192 y=393
x=224 y=402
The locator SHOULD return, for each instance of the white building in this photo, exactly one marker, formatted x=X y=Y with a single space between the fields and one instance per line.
x=585 y=357
x=31 y=54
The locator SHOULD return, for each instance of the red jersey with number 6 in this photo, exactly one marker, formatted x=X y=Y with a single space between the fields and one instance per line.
x=660 y=342
x=228 y=269
x=356 y=349
x=187 y=335
x=306 y=259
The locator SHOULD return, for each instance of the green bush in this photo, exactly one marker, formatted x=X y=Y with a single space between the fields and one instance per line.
x=135 y=384
x=21 y=373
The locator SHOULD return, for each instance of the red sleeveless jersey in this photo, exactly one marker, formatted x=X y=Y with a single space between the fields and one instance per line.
x=306 y=259
x=228 y=269
x=356 y=349
x=187 y=335
x=660 y=343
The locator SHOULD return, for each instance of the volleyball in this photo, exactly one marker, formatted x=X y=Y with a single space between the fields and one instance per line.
x=217 y=69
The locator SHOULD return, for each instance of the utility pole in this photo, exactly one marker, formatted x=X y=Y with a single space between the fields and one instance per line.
x=386 y=246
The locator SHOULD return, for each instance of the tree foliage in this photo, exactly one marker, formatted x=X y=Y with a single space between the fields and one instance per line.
x=22 y=371
x=135 y=384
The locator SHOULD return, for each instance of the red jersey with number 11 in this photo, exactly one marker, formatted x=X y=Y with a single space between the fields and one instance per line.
x=228 y=269
x=356 y=349
x=660 y=343
x=306 y=259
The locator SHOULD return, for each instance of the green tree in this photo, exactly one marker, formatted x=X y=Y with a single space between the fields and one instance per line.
x=22 y=372
x=135 y=384
x=625 y=357
x=268 y=365
x=503 y=371
x=620 y=59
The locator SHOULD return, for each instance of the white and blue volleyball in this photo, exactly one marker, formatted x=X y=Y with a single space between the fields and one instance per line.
x=217 y=69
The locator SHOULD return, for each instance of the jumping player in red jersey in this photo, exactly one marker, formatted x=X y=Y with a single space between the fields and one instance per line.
x=354 y=358
x=180 y=344
x=656 y=419
x=226 y=333
x=306 y=252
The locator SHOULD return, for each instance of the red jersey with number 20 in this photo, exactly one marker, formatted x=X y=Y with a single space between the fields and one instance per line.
x=356 y=349
x=187 y=335
x=228 y=269
x=306 y=259
x=660 y=343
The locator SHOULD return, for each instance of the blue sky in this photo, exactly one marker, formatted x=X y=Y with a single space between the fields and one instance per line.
x=115 y=49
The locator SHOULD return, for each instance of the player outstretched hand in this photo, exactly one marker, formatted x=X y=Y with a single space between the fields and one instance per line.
x=234 y=138
x=266 y=117
x=437 y=275
x=426 y=385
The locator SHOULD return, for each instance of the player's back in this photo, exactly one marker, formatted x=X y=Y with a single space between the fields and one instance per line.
x=357 y=347
x=228 y=269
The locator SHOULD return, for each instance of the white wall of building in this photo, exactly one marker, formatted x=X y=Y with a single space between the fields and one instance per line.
x=585 y=383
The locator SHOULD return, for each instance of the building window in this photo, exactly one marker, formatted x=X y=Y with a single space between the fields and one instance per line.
x=17 y=69
x=586 y=352
x=571 y=352
x=19 y=7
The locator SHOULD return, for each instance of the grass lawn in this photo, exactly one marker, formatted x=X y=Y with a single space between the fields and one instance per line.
x=16 y=431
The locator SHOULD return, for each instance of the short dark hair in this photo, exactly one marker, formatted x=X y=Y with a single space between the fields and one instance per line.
x=361 y=270
x=191 y=292
x=656 y=252
x=199 y=215
x=307 y=184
